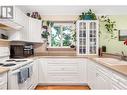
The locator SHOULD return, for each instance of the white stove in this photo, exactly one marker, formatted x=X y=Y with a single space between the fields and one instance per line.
x=13 y=64
x=16 y=66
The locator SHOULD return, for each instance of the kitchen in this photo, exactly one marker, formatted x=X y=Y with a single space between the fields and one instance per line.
x=46 y=47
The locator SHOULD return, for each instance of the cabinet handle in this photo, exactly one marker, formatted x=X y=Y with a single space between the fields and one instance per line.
x=97 y=74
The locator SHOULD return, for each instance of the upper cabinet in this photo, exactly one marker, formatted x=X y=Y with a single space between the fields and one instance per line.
x=21 y=19
x=35 y=30
x=31 y=28
x=87 y=37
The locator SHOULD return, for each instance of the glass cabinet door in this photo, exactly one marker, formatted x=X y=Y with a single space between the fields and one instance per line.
x=82 y=38
x=92 y=38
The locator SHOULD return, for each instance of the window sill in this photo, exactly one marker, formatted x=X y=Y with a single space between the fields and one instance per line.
x=60 y=49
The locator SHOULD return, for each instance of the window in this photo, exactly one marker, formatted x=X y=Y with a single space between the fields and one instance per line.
x=61 y=35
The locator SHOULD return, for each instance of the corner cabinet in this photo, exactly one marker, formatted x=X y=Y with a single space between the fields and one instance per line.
x=87 y=37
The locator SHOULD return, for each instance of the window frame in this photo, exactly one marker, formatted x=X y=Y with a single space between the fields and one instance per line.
x=61 y=23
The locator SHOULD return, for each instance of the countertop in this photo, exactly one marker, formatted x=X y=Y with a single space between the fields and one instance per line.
x=3 y=69
x=122 y=69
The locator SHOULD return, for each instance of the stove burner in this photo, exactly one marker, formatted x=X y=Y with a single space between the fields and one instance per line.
x=7 y=65
x=10 y=60
x=1 y=64
x=20 y=60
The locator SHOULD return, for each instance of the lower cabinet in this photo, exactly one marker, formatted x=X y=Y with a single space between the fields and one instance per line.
x=91 y=74
x=3 y=81
x=34 y=78
x=101 y=78
x=103 y=82
x=119 y=82
x=62 y=71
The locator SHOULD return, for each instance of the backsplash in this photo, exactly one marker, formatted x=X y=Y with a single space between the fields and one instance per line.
x=4 y=52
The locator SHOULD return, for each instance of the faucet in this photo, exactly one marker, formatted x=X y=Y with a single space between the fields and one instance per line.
x=123 y=57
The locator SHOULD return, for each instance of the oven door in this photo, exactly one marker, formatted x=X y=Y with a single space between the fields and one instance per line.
x=13 y=79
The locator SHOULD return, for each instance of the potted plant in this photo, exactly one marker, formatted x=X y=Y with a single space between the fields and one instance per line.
x=88 y=15
x=46 y=29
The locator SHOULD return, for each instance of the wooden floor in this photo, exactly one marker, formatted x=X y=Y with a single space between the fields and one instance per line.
x=62 y=88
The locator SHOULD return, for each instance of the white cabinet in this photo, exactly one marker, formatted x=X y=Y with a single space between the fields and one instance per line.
x=21 y=19
x=103 y=82
x=63 y=71
x=34 y=78
x=31 y=28
x=87 y=37
x=91 y=74
x=119 y=82
x=99 y=77
x=3 y=81
x=35 y=30
x=18 y=16
x=22 y=34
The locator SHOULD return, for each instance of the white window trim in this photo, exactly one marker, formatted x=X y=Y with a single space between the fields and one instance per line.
x=59 y=24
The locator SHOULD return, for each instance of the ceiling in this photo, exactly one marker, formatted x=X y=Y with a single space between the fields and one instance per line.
x=74 y=10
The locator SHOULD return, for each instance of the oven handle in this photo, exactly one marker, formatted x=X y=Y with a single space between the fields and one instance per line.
x=15 y=72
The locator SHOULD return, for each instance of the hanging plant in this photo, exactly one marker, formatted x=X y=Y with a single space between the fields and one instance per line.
x=110 y=25
x=45 y=34
x=48 y=23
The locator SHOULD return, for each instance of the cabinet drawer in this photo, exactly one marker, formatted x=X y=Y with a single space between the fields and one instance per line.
x=63 y=68
x=61 y=79
x=3 y=77
x=62 y=64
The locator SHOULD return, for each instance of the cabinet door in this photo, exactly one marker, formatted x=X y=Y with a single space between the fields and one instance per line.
x=34 y=30
x=102 y=82
x=91 y=74
x=42 y=72
x=92 y=37
x=21 y=19
x=82 y=37
x=35 y=74
x=62 y=71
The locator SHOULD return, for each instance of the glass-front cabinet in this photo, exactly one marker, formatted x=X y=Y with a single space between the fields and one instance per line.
x=87 y=37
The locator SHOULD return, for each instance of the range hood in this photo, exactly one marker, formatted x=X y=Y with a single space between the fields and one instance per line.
x=9 y=25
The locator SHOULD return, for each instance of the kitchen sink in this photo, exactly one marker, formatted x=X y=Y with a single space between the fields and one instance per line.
x=111 y=61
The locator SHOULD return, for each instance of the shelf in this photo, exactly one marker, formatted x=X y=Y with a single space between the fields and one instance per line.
x=4 y=40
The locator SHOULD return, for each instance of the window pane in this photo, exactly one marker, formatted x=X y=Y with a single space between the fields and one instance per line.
x=56 y=36
x=67 y=37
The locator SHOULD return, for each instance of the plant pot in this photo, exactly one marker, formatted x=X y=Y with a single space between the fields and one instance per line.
x=72 y=46
x=87 y=17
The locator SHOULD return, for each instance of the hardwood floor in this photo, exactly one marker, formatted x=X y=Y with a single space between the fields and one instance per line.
x=62 y=88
